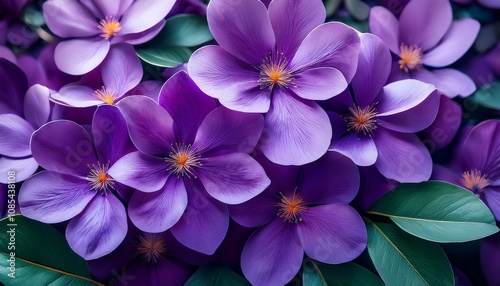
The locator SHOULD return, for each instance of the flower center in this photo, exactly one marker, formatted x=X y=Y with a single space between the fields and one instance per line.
x=182 y=160
x=291 y=207
x=109 y=27
x=475 y=181
x=99 y=179
x=362 y=119
x=411 y=57
x=106 y=95
x=274 y=71
x=151 y=247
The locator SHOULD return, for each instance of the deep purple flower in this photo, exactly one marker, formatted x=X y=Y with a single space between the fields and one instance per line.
x=22 y=111
x=278 y=61
x=305 y=209
x=476 y=164
x=495 y=4
x=121 y=71
x=376 y=124
x=189 y=7
x=76 y=185
x=90 y=28
x=372 y=187
x=192 y=160
x=146 y=259
x=426 y=35
x=490 y=259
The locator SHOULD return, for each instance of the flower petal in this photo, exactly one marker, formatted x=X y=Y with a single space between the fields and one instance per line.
x=110 y=134
x=492 y=200
x=78 y=57
x=374 y=66
x=75 y=95
x=455 y=43
x=226 y=131
x=402 y=157
x=296 y=131
x=223 y=76
x=158 y=211
x=23 y=168
x=293 y=20
x=37 y=105
x=251 y=37
x=373 y=186
x=333 y=233
x=451 y=82
x=358 y=147
x=51 y=197
x=204 y=224
x=490 y=258
x=121 y=70
x=333 y=45
x=319 y=83
x=14 y=85
x=332 y=179
x=424 y=22
x=69 y=19
x=187 y=105
x=15 y=133
x=273 y=255
x=140 y=171
x=414 y=119
x=255 y=212
x=233 y=178
x=403 y=95
x=99 y=229
x=385 y=25
x=144 y=14
x=63 y=146
x=150 y=126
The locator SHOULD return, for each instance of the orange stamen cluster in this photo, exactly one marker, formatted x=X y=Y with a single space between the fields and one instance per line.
x=182 y=160
x=99 y=179
x=151 y=247
x=109 y=27
x=291 y=207
x=362 y=119
x=274 y=71
x=411 y=57
x=475 y=181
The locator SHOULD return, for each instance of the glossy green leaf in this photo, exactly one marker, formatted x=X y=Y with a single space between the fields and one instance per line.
x=402 y=259
x=488 y=96
x=42 y=256
x=167 y=57
x=346 y=274
x=216 y=275
x=437 y=211
x=183 y=30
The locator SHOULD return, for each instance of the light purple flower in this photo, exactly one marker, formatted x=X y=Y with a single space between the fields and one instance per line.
x=305 y=209
x=278 y=61
x=376 y=124
x=192 y=160
x=22 y=111
x=426 y=35
x=476 y=164
x=120 y=72
x=91 y=28
x=76 y=185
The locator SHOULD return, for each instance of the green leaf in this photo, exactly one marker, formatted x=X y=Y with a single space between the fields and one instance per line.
x=183 y=30
x=167 y=57
x=331 y=6
x=216 y=275
x=347 y=274
x=42 y=256
x=437 y=211
x=402 y=259
x=358 y=9
x=488 y=96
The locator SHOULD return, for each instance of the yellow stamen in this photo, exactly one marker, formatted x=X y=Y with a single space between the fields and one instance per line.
x=274 y=71
x=362 y=119
x=291 y=207
x=182 y=160
x=151 y=247
x=99 y=179
x=411 y=57
x=475 y=181
x=109 y=27
x=106 y=95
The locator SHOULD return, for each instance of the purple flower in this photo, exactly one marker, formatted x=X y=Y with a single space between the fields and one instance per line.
x=426 y=35
x=490 y=259
x=121 y=71
x=278 y=61
x=372 y=187
x=76 y=185
x=192 y=160
x=22 y=111
x=146 y=259
x=495 y=4
x=305 y=209
x=376 y=123
x=90 y=28
x=476 y=165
